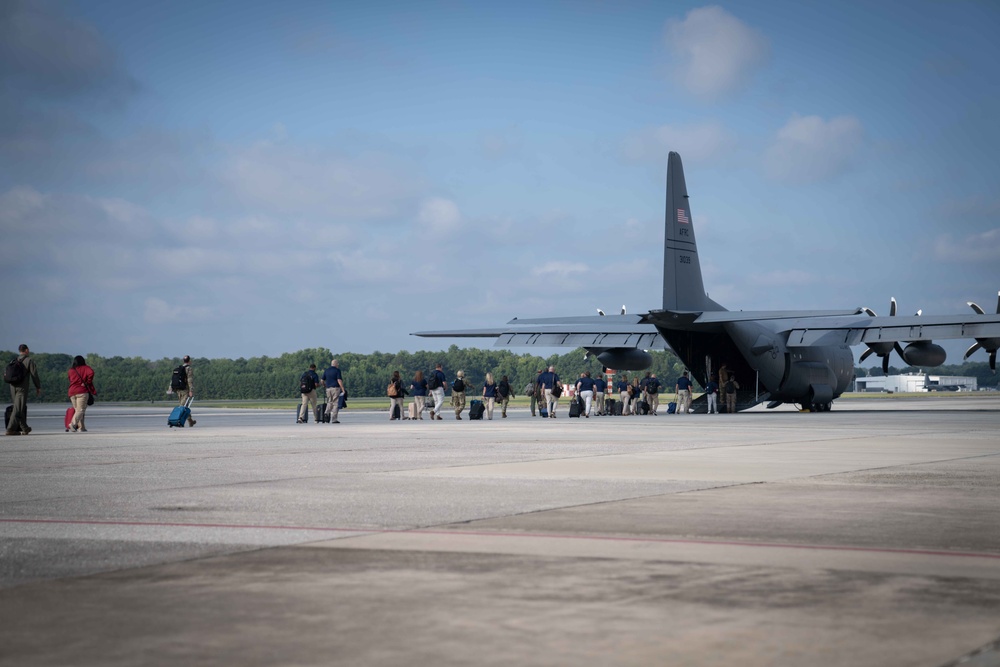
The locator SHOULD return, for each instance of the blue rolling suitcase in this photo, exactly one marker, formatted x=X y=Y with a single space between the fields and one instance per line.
x=179 y=415
x=671 y=408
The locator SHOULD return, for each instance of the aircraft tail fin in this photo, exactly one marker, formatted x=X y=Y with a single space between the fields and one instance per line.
x=683 y=288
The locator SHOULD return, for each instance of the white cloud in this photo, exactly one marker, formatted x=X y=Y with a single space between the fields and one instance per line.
x=717 y=54
x=440 y=215
x=809 y=149
x=697 y=143
x=983 y=247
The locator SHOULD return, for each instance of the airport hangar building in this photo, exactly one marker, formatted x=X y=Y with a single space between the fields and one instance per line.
x=916 y=382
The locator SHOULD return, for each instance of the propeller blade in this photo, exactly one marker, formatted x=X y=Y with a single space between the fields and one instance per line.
x=868 y=310
x=867 y=354
x=919 y=312
x=892 y=307
x=975 y=306
x=623 y=309
x=998 y=303
x=600 y=312
x=993 y=361
x=972 y=348
x=885 y=365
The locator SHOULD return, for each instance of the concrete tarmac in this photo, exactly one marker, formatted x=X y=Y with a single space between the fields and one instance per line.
x=869 y=535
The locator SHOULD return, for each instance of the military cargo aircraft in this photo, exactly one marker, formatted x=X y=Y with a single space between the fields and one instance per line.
x=798 y=357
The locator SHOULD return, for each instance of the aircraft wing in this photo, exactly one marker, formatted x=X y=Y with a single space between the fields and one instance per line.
x=612 y=331
x=862 y=329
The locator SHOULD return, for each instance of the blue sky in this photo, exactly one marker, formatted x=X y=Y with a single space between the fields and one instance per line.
x=234 y=179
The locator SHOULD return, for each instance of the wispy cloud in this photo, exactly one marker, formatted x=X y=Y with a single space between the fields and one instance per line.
x=809 y=149
x=982 y=247
x=698 y=143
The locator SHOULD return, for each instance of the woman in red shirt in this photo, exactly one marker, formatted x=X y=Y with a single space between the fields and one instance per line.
x=81 y=386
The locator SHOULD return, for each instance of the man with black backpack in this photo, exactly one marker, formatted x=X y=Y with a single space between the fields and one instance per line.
x=307 y=386
x=19 y=373
x=182 y=384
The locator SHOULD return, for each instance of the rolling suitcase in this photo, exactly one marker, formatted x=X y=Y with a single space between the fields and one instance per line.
x=476 y=409
x=321 y=416
x=543 y=412
x=396 y=412
x=643 y=408
x=67 y=420
x=6 y=416
x=671 y=408
x=574 y=408
x=179 y=415
x=619 y=408
x=609 y=406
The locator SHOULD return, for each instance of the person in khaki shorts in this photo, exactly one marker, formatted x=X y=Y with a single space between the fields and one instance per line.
x=187 y=391
x=729 y=391
x=458 y=389
x=308 y=398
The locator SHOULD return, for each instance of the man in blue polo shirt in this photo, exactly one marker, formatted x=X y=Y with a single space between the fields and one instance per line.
x=547 y=381
x=683 y=389
x=600 y=387
x=334 y=383
x=585 y=389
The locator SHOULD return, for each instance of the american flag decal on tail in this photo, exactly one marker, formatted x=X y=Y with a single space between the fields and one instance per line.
x=682 y=217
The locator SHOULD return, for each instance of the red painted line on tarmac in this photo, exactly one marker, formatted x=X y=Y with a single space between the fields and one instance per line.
x=454 y=533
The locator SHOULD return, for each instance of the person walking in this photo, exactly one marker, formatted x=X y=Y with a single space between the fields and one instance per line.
x=182 y=384
x=683 y=389
x=458 y=388
x=548 y=381
x=635 y=394
x=531 y=390
x=585 y=390
x=489 y=395
x=396 y=393
x=623 y=394
x=653 y=390
x=81 y=387
x=504 y=393
x=712 y=392
x=19 y=373
x=308 y=382
x=600 y=389
x=333 y=380
x=436 y=386
x=730 y=388
x=418 y=389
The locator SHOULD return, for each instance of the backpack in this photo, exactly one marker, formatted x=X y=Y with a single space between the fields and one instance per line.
x=730 y=387
x=15 y=373
x=458 y=385
x=391 y=390
x=434 y=382
x=306 y=383
x=179 y=380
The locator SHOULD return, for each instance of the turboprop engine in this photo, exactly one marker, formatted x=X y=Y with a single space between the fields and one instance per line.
x=625 y=358
x=924 y=353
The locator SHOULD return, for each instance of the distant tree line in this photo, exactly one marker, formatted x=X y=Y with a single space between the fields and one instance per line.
x=138 y=379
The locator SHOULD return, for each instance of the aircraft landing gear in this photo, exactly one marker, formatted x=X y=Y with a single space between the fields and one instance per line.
x=816 y=407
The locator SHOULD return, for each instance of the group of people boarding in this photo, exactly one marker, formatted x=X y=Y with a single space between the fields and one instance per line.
x=428 y=394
